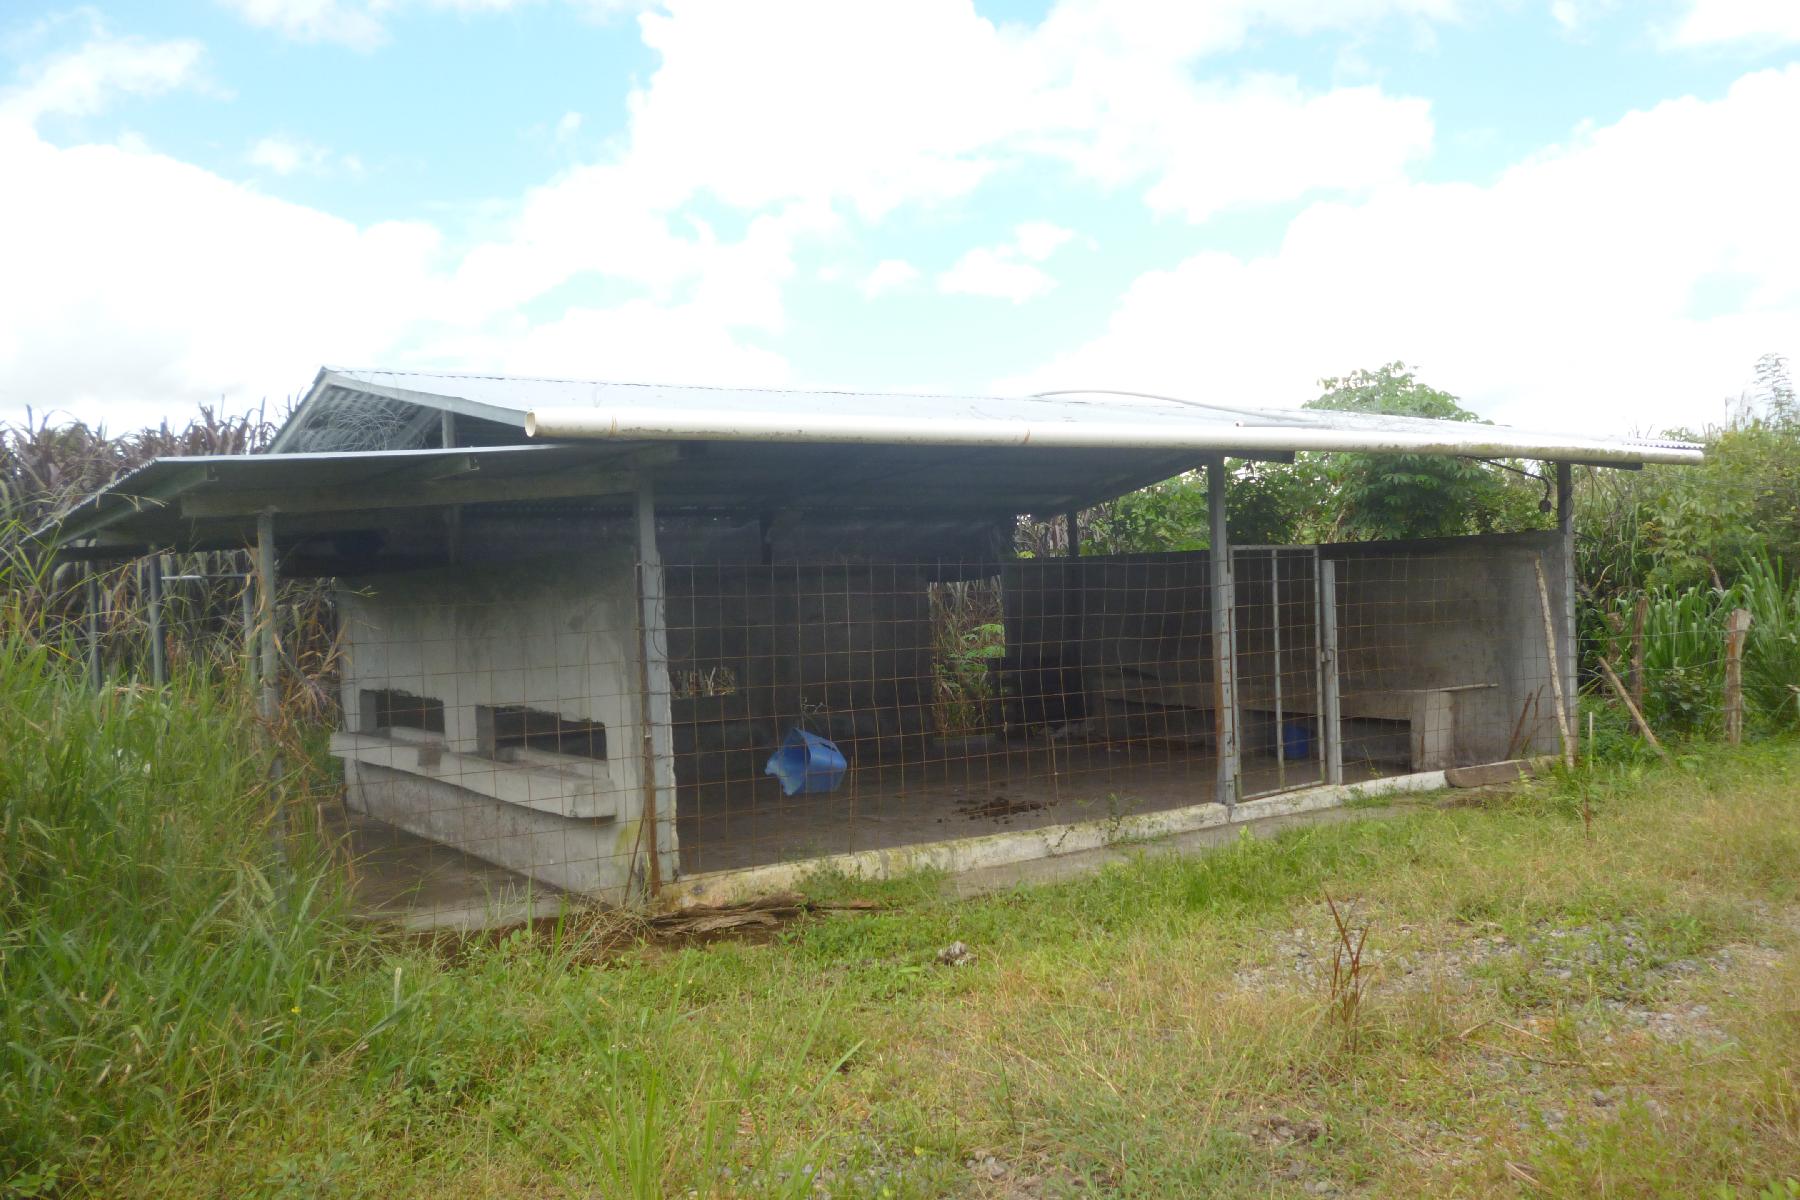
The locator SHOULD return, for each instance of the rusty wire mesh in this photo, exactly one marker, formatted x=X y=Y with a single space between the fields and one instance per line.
x=504 y=739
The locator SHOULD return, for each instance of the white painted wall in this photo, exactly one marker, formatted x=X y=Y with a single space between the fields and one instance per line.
x=559 y=635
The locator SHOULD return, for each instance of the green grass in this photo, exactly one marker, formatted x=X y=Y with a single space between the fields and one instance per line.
x=1549 y=1010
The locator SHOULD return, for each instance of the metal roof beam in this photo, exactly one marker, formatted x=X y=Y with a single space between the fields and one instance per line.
x=460 y=489
x=1123 y=431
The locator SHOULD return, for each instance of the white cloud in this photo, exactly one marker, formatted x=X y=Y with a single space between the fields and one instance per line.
x=883 y=104
x=1265 y=141
x=138 y=285
x=343 y=22
x=987 y=271
x=141 y=283
x=890 y=274
x=1007 y=272
x=286 y=156
x=358 y=24
x=639 y=340
x=1571 y=292
x=1575 y=16
x=88 y=79
x=830 y=102
x=1713 y=22
x=1038 y=240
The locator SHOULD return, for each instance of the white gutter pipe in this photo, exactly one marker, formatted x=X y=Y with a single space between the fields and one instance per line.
x=638 y=424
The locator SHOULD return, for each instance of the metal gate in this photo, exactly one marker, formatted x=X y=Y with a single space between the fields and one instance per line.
x=1283 y=655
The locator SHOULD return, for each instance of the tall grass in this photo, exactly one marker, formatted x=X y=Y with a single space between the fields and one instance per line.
x=163 y=954
x=1684 y=649
x=1772 y=650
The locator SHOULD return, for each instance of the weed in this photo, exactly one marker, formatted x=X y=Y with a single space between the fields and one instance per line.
x=1348 y=979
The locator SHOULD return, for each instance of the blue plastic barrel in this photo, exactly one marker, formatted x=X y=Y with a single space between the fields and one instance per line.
x=1296 y=740
x=807 y=762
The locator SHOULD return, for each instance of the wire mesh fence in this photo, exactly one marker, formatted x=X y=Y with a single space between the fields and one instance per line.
x=608 y=728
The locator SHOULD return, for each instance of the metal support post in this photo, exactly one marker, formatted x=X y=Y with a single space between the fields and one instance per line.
x=1565 y=527
x=1331 y=726
x=1224 y=603
x=653 y=667
x=153 y=601
x=1072 y=522
x=1275 y=638
x=453 y=523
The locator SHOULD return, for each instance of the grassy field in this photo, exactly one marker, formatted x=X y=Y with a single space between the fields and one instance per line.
x=1545 y=1005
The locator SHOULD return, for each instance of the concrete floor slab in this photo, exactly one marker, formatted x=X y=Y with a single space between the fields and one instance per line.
x=1013 y=789
x=420 y=885
x=995 y=850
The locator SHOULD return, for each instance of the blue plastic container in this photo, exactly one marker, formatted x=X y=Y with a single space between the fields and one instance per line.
x=806 y=762
x=1296 y=740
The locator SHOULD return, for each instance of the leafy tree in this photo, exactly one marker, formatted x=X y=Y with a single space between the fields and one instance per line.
x=1327 y=497
x=1703 y=525
x=1382 y=496
x=1171 y=515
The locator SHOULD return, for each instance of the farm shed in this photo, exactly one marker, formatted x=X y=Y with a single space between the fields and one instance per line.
x=620 y=638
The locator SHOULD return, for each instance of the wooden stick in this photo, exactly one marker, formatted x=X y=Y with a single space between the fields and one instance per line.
x=1513 y=743
x=1737 y=627
x=1618 y=688
x=1556 y=679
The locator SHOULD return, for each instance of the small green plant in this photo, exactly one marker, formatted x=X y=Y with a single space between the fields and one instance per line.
x=968 y=635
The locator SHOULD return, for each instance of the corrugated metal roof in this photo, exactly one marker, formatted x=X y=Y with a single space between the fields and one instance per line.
x=214 y=500
x=508 y=399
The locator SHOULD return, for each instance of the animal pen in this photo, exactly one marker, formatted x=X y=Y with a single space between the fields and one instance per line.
x=625 y=641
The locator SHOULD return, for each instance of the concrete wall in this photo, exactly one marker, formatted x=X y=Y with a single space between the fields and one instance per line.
x=1124 y=642
x=1451 y=612
x=557 y=635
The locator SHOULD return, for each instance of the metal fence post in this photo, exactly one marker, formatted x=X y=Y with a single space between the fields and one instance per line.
x=1565 y=525
x=1331 y=726
x=153 y=601
x=1275 y=638
x=1228 y=784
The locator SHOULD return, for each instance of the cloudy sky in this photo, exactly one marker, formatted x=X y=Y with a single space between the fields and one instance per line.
x=1573 y=213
